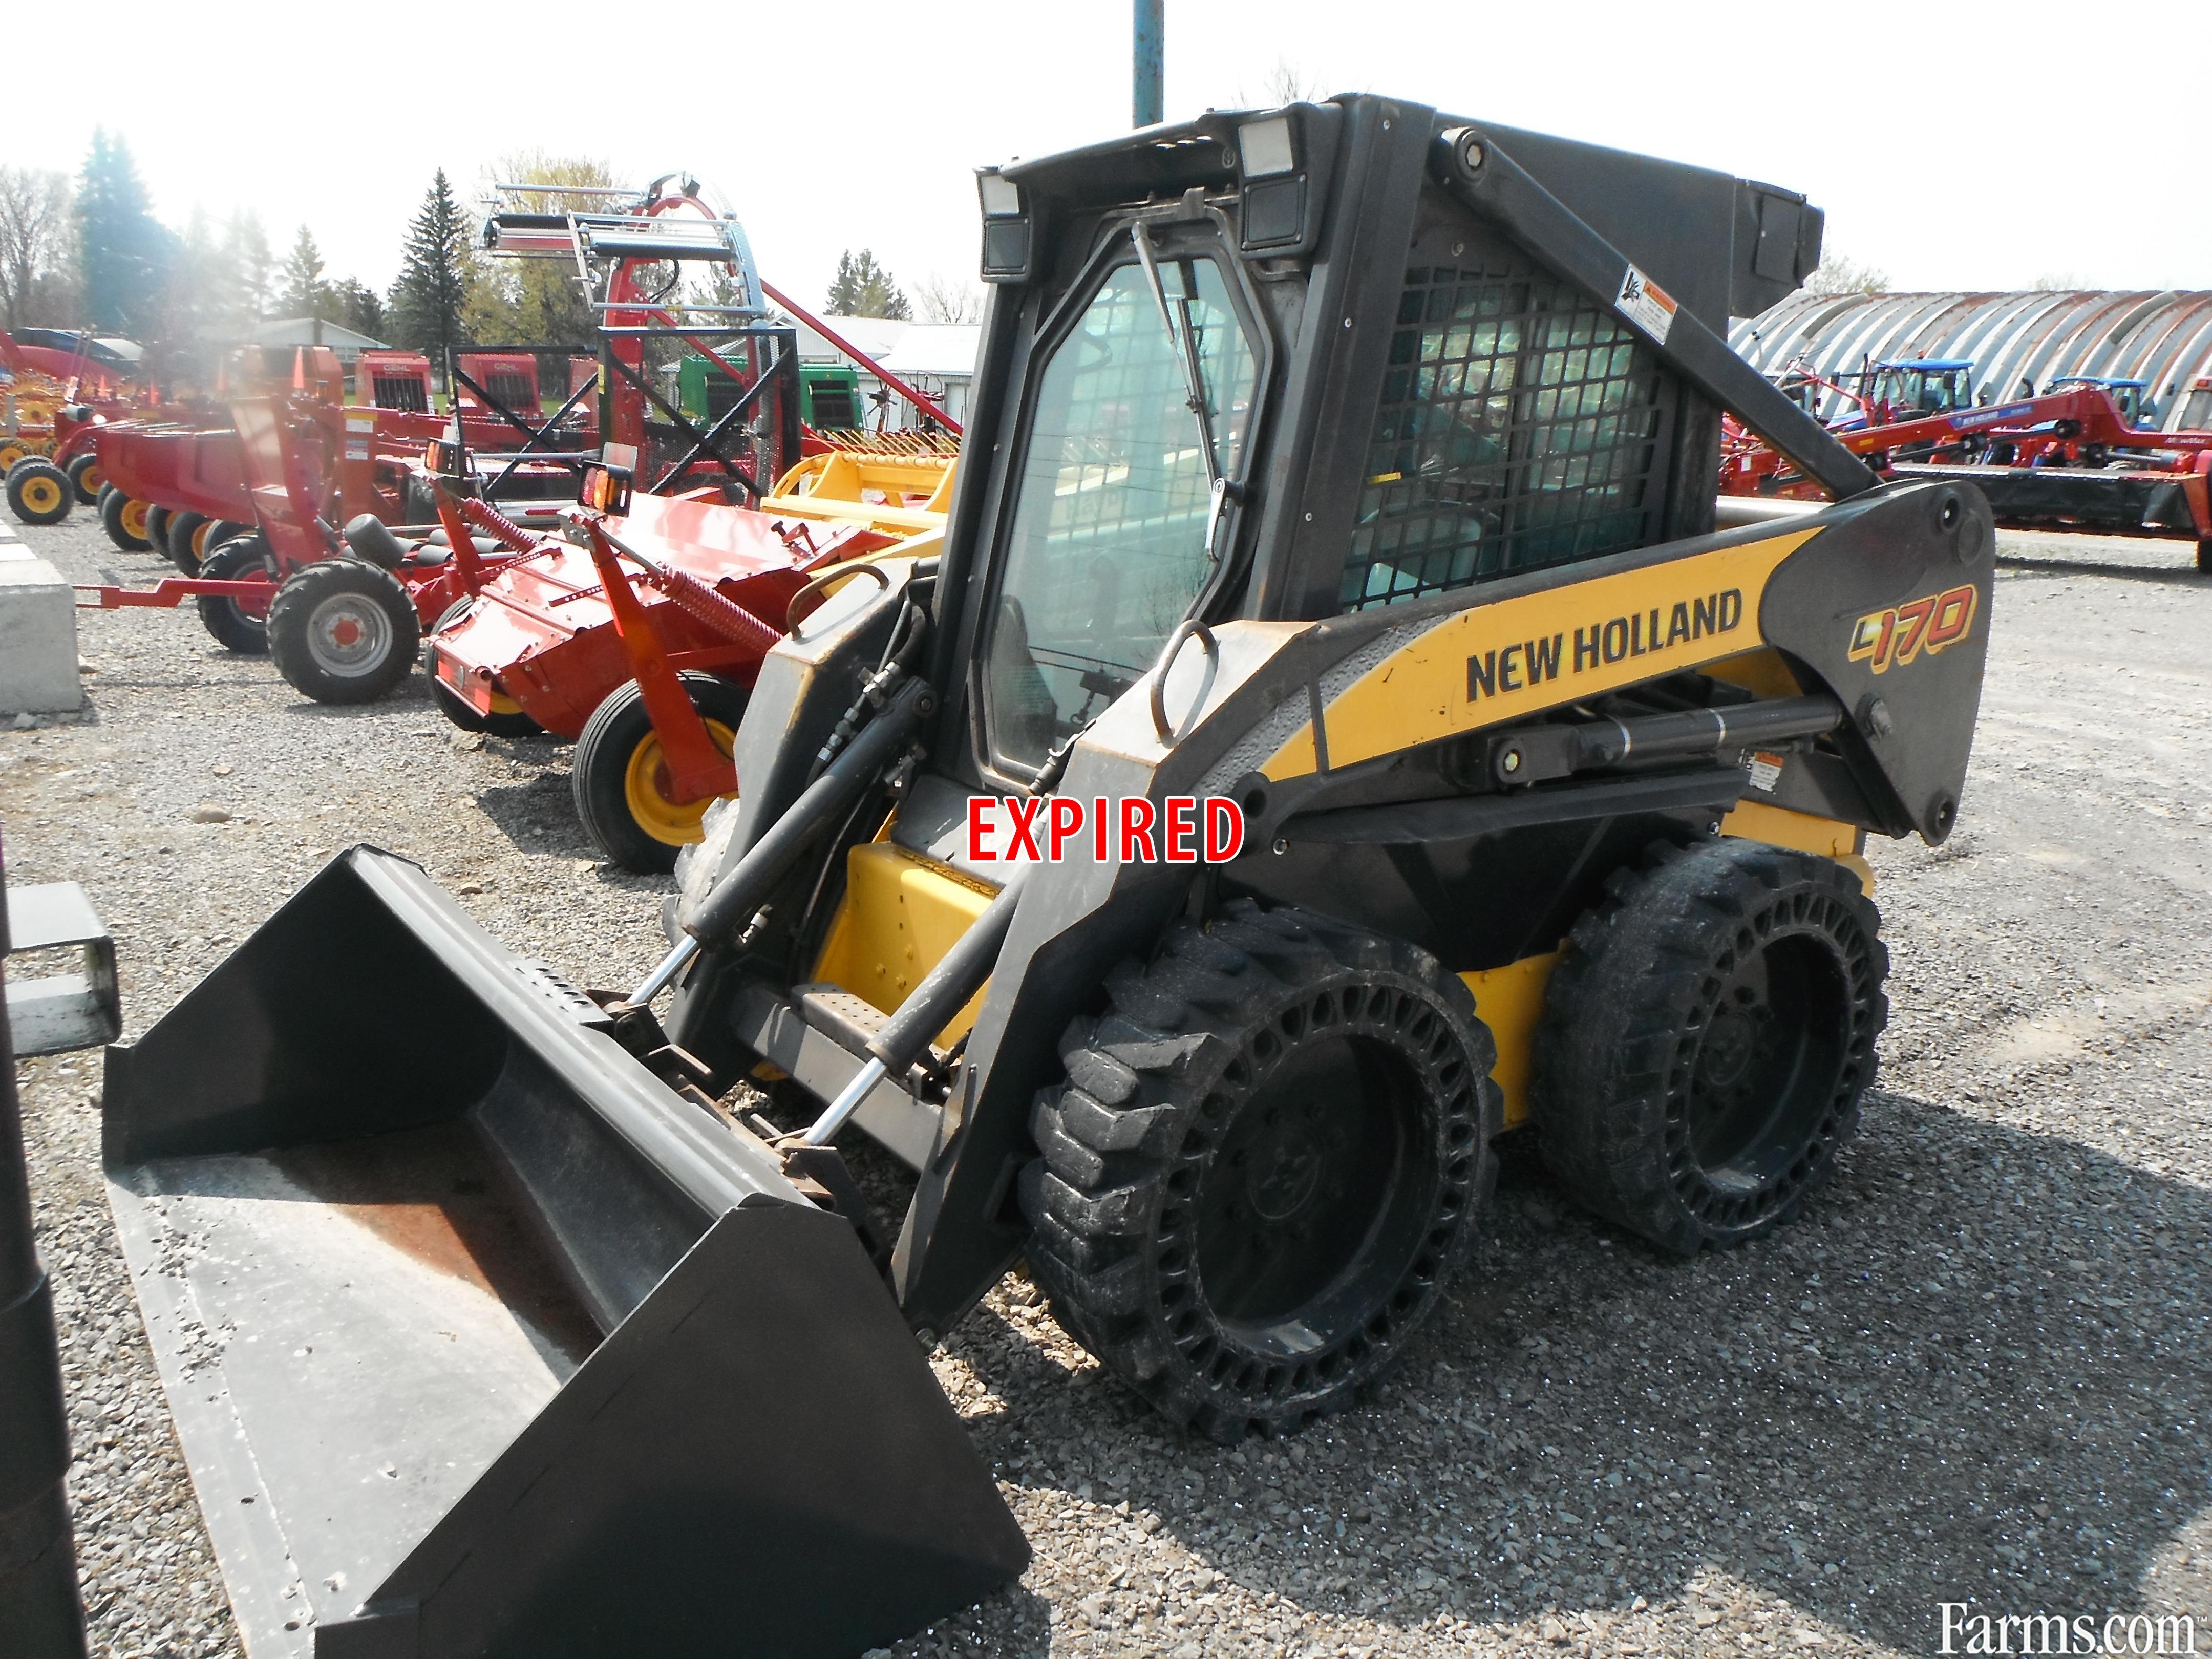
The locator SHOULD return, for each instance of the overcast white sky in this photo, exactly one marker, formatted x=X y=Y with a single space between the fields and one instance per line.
x=1952 y=145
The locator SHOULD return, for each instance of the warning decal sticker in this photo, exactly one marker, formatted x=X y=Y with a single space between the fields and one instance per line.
x=1646 y=304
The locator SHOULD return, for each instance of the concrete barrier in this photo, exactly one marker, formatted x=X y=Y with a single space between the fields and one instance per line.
x=37 y=634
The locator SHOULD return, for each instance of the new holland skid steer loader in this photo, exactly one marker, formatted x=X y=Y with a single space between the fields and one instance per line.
x=1333 y=584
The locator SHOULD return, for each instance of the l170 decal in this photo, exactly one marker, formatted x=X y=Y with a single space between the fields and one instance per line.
x=1882 y=638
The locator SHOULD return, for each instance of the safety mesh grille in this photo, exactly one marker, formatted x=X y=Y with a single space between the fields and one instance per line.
x=512 y=391
x=1518 y=429
x=405 y=394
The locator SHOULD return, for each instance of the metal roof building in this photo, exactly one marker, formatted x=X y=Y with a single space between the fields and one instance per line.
x=2018 y=343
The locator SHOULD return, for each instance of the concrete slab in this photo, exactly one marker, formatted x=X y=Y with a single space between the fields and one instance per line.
x=38 y=637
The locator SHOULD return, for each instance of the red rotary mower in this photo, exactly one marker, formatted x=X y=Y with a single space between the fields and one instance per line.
x=640 y=638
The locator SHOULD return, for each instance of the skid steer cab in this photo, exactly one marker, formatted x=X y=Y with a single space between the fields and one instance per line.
x=1346 y=467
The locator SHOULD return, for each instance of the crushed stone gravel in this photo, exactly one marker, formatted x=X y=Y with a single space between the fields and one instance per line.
x=1974 y=1372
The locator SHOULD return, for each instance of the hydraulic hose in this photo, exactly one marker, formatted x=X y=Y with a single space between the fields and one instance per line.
x=723 y=913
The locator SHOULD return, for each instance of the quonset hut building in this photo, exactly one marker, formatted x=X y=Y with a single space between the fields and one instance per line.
x=2018 y=343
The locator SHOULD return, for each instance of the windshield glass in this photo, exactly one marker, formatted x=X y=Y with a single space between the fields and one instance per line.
x=1108 y=544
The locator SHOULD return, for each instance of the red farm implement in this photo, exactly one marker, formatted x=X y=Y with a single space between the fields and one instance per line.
x=53 y=399
x=2069 y=459
x=640 y=639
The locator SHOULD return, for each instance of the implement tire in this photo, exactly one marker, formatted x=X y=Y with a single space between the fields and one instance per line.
x=620 y=783
x=1706 y=1039
x=1268 y=1159
x=181 y=535
x=38 y=492
x=508 y=722
x=343 y=632
x=125 y=520
x=238 y=625
x=86 y=478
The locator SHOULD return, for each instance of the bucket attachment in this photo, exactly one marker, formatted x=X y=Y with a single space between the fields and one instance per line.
x=480 y=1340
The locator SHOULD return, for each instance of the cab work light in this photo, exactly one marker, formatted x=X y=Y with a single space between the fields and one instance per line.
x=1006 y=239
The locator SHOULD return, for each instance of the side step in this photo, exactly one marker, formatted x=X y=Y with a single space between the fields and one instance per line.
x=481 y=1341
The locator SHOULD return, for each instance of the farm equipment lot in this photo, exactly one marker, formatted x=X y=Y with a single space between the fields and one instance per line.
x=1974 y=1371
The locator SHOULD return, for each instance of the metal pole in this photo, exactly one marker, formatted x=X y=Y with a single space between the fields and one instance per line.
x=1150 y=99
x=39 y=1611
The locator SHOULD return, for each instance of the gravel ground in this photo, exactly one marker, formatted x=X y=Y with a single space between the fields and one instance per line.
x=1975 y=1372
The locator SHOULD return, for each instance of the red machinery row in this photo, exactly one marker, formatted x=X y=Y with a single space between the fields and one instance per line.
x=2070 y=459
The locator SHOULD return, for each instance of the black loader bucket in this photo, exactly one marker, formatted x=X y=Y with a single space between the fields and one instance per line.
x=481 y=1341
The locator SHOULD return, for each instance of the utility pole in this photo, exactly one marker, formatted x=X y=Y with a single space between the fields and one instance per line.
x=1150 y=100
x=40 y=1617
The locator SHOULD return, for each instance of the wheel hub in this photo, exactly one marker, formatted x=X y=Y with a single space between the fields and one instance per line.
x=348 y=635
x=1283 y=1173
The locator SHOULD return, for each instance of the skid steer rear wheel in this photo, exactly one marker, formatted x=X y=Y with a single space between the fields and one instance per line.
x=1266 y=1160
x=84 y=474
x=39 y=493
x=125 y=520
x=342 y=631
x=621 y=779
x=1706 y=1038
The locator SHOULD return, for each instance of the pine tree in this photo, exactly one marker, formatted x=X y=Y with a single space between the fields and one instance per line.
x=864 y=288
x=305 y=294
x=435 y=275
x=242 y=276
x=358 y=307
x=126 y=253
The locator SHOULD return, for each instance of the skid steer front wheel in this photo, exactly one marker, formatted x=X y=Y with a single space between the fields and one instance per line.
x=1266 y=1159
x=1706 y=1038
x=620 y=777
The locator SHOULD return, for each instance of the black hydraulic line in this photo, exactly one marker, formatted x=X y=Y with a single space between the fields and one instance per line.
x=726 y=910
x=1469 y=166
x=40 y=1614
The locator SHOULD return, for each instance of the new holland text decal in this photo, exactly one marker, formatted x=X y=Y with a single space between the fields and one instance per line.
x=1615 y=640
x=1898 y=634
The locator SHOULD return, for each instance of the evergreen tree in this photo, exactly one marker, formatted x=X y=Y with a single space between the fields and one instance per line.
x=126 y=253
x=435 y=275
x=864 y=288
x=305 y=294
x=358 y=307
x=241 y=278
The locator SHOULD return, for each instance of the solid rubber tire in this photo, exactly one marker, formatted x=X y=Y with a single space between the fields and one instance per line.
x=598 y=769
x=112 y=508
x=1637 y=1011
x=231 y=627
x=294 y=609
x=38 y=492
x=1142 y=1140
x=81 y=467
